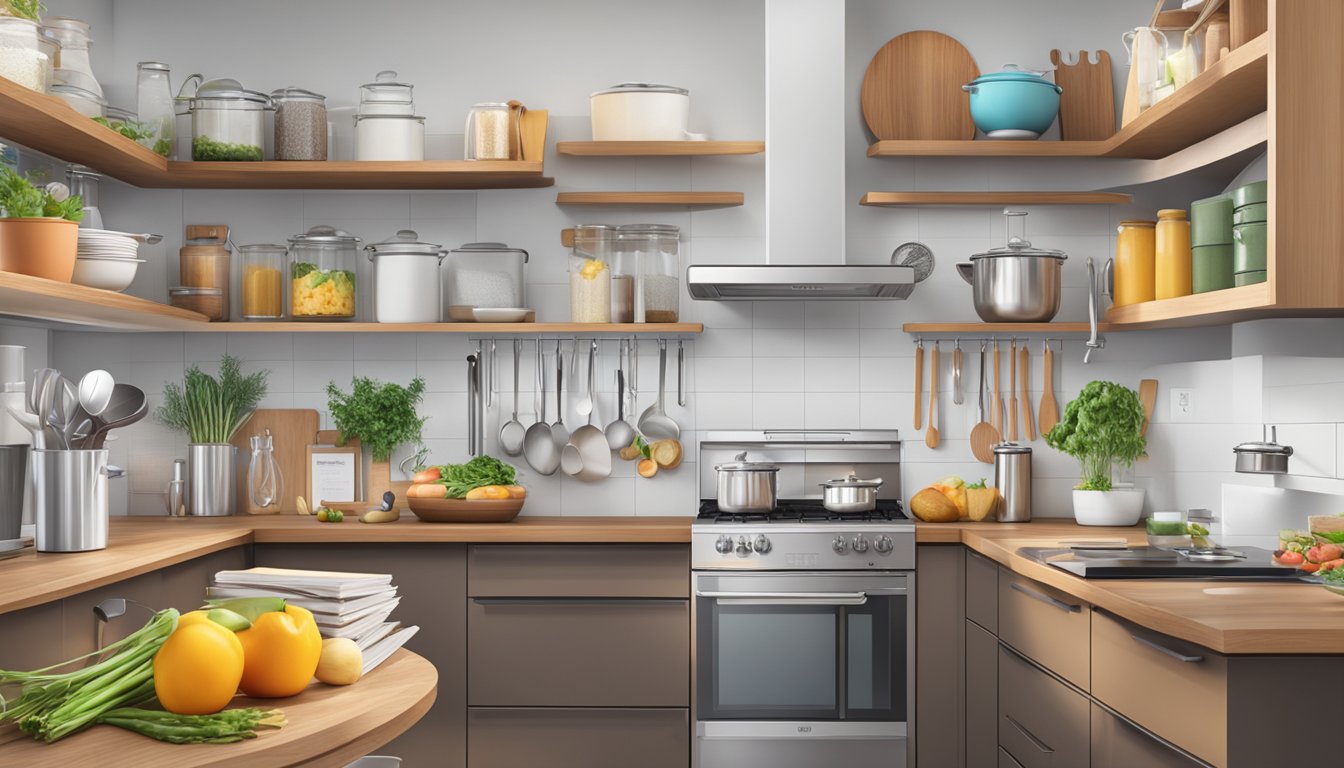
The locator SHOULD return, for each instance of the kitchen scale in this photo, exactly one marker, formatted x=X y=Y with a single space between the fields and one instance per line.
x=1241 y=563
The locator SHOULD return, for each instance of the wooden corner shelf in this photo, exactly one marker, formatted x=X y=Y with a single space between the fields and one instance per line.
x=1229 y=92
x=479 y=329
x=35 y=298
x=975 y=329
x=658 y=148
x=1232 y=305
x=901 y=199
x=694 y=199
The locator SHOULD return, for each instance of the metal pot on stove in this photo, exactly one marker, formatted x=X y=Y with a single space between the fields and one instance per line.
x=746 y=487
x=850 y=494
x=1016 y=283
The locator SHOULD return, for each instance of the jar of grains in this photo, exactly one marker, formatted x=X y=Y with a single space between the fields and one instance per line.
x=300 y=124
x=652 y=250
x=21 y=58
x=487 y=134
x=263 y=270
x=589 y=289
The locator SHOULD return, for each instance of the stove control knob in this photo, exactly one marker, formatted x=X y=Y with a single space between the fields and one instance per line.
x=860 y=544
x=883 y=544
x=840 y=545
x=761 y=544
x=743 y=548
x=724 y=546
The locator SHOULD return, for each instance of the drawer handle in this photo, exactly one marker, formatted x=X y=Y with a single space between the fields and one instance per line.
x=1175 y=654
x=1042 y=746
x=1048 y=600
x=576 y=600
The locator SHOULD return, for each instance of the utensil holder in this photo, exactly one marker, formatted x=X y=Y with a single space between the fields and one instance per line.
x=211 y=484
x=70 y=501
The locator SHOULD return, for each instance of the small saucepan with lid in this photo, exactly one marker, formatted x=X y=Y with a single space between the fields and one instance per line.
x=850 y=494
x=746 y=487
x=1266 y=457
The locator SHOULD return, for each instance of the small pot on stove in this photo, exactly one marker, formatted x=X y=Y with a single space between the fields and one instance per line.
x=746 y=487
x=850 y=494
x=1266 y=457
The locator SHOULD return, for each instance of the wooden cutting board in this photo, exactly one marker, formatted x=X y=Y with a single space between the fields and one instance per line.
x=912 y=89
x=1087 y=105
x=292 y=431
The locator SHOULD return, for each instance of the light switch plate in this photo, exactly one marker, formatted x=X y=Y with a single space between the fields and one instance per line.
x=1182 y=405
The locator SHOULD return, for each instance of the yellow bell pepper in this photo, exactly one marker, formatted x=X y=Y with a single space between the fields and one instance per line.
x=198 y=669
x=280 y=652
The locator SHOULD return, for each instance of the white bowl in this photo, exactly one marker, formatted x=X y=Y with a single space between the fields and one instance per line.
x=108 y=274
x=1118 y=506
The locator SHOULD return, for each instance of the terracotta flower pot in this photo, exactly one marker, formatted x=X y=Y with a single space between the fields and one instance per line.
x=39 y=247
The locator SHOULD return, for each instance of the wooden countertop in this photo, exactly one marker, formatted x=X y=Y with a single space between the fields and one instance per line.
x=1229 y=617
x=328 y=726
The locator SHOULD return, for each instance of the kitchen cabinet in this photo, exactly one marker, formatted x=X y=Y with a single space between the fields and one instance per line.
x=940 y=616
x=1047 y=625
x=981 y=697
x=1120 y=744
x=578 y=738
x=982 y=591
x=1042 y=721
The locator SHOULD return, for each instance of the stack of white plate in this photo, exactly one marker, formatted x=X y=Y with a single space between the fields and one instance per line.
x=106 y=259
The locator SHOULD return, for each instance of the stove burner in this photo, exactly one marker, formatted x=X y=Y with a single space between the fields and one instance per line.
x=803 y=511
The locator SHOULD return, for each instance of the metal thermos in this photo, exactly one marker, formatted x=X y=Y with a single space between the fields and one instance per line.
x=1012 y=478
x=211 y=482
x=70 y=499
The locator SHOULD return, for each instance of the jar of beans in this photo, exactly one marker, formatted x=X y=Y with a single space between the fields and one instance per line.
x=300 y=124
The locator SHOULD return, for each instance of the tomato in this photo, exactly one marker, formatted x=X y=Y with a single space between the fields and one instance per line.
x=1289 y=558
x=1331 y=565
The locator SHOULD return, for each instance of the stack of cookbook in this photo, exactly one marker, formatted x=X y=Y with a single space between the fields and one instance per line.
x=352 y=605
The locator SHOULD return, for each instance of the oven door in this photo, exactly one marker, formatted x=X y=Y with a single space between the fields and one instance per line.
x=803 y=668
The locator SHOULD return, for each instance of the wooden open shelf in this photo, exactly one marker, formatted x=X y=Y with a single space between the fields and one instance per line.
x=478 y=329
x=978 y=329
x=35 y=298
x=1234 y=89
x=658 y=148
x=48 y=125
x=696 y=199
x=900 y=199
x=1213 y=308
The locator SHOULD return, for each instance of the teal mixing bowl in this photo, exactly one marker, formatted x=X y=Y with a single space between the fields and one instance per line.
x=1013 y=101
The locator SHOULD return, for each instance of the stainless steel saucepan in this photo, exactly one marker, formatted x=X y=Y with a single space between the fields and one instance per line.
x=1016 y=283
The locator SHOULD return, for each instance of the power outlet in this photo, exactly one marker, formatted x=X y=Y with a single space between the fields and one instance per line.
x=1182 y=404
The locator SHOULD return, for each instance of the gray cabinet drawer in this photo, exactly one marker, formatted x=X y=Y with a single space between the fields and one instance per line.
x=578 y=738
x=982 y=591
x=1119 y=744
x=1043 y=723
x=1050 y=627
x=982 y=698
x=1006 y=760
x=578 y=652
x=579 y=570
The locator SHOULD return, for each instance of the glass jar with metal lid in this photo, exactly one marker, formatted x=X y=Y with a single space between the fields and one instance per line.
x=300 y=124
x=652 y=251
x=263 y=280
x=386 y=126
x=406 y=278
x=591 y=278
x=75 y=66
x=322 y=274
x=21 y=56
x=484 y=276
x=227 y=121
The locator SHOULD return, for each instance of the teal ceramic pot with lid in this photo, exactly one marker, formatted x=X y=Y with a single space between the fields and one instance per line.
x=1013 y=104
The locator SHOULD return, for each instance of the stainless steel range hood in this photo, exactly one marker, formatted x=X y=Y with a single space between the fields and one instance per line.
x=763 y=282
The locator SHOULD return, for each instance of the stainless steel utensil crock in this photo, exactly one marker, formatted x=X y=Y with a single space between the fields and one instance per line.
x=1016 y=283
x=211 y=485
x=850 y=494
x=70 y=501
x=1264 y=458
x=746 y=486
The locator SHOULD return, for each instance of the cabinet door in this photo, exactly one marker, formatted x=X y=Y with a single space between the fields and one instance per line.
x=1046 y=625
x=579 y=570
x=982 y=592
x=982 y=695
x=1119 y=744
x=578 y=738
x=1006 y=760
x=940 y=618
x=1043 y=723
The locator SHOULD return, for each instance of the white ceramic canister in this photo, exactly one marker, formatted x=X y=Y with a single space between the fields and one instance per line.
x=406 y=278
x=641 y=112
x=389 y=137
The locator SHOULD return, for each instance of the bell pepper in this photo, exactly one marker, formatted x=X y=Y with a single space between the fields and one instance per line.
x=199 y=667
x=954 y=488
x=280 y=652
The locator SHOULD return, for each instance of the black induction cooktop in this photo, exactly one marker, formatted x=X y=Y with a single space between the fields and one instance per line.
x=1243 y=563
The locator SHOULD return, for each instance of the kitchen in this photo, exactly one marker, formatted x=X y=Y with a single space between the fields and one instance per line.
x=735 y=372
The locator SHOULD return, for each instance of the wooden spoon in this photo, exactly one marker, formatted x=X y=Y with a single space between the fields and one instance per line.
x=919 y=384
x=931 y=437
x=983 y=434
x=1049 y=411
x=1024 y=367
x=1147 y=396
x=1012 y=390
x=996 y=410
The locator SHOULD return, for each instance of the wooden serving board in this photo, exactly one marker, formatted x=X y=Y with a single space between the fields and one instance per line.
x=1087 y=105
x=292 y=431
x=912 y=88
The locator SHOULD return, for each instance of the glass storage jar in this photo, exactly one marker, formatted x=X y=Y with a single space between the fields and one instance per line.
x=75 y=67
x=204 y=259
x=406 y=278
x=488 y=133
x=210 y=302
x=589 y=288
x=83 y=181
x=21 y=57
x=1171 y=259
x=227 y=122
x=322 y=274
x=300 y=124
x=84 y=102
x=154 y=106
x=485 y=276
x=50 y=48
x=597 y=242
x=263 y=270
x=386 y=126
x=653 y=249
x=1135 y=262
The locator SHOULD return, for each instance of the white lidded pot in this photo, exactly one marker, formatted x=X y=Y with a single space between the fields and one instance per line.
x=406 y=278
x=386 y=126
x=642 y=112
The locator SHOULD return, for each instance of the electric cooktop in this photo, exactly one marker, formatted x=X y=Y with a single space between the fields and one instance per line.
x=1237 y=563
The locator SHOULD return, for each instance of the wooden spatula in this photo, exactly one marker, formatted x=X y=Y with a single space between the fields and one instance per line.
x=919 y=384
x=983 y=434
x=1049 y=410
x=931 y=437
x=1024 y=368
x=1147 y=396
x=1012 y=390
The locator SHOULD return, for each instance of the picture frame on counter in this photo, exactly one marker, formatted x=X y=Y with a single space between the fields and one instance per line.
x=334 y=473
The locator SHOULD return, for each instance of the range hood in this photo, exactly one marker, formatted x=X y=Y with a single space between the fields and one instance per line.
x=764 y=282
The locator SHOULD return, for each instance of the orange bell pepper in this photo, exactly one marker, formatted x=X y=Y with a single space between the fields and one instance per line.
x=280 y=652
x=198 y=669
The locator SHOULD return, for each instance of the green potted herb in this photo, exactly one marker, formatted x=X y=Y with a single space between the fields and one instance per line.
x=1101 y=428
x=211 y=411
x=383 y=417
x=39 y=228
x=24 y=9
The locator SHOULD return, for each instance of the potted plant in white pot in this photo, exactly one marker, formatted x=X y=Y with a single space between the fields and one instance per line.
x=1102 y=427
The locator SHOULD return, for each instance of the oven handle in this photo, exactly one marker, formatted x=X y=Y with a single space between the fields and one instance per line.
x=786 y=598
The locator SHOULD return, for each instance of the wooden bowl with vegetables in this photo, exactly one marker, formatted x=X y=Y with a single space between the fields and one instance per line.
x=481 y=491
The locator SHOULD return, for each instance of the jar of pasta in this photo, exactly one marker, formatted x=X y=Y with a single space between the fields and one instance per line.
x=322 y=274
x=263 y=281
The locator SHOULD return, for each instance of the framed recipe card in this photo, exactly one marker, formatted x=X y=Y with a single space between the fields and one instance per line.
x=333 y=473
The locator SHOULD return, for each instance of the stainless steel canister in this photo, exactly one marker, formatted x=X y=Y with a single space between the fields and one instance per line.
x=211 y=483
x=70 y=500
x=746 y=486
x=13 y=484
x=1012 y=478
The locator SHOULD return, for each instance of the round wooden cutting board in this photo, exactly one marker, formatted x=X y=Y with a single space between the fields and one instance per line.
x=912 y=88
